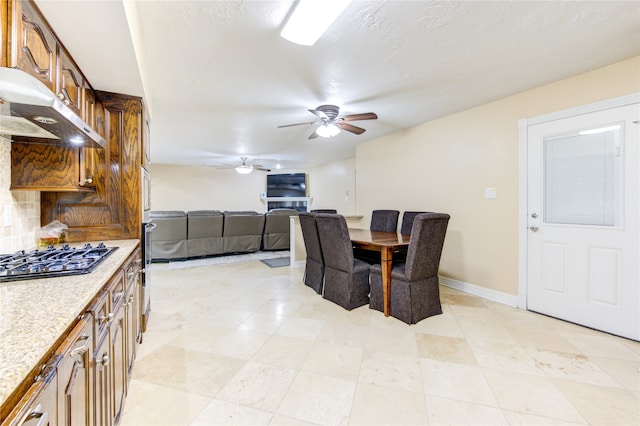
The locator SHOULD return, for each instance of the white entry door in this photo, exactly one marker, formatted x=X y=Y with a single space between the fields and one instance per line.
x=583 y=260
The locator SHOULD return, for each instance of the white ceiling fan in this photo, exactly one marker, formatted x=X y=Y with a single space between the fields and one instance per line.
x=331 y=123
x=243 y=168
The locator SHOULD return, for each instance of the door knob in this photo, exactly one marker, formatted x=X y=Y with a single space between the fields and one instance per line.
x=534 y=215
x=533 y=228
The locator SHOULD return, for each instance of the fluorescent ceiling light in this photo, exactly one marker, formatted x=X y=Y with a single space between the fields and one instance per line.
x=328 y=130
x=311 y=19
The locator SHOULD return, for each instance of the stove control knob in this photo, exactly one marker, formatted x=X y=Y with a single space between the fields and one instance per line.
x=87 y=246
x=101 y=245
x=66 y=247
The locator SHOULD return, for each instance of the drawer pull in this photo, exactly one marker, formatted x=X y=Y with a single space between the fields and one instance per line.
x=81 y=350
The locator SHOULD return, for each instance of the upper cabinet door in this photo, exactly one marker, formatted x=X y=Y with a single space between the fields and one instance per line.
x=70 y=83
x=33 y=49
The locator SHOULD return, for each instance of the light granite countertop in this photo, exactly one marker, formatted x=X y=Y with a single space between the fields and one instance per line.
x=35 y=313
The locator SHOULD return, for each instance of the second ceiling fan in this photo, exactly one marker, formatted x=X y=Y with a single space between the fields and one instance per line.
x=331 y=123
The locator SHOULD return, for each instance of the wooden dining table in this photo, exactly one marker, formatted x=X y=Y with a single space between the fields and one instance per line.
x=386 y=243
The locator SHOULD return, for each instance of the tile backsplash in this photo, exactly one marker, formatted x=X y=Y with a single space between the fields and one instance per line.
x=19 y=210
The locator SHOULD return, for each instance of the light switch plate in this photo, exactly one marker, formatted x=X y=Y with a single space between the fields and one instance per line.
x=490 y=193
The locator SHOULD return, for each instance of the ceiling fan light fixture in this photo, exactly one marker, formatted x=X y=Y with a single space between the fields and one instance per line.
x=328 y=130
x=244 y=169
x=310 y=20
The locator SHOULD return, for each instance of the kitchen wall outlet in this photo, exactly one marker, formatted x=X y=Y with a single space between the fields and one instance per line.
x=7 y=219
x=490 y=193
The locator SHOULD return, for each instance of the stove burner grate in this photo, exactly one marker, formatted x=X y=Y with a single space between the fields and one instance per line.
x=52 y=262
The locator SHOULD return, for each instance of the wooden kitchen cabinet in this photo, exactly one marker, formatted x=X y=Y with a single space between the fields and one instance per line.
x=118 y=344
x=43 y=167
x=146 y=140
x=70 y=85
x=76 y=375
x=103 y=382
x=33 y=46
x=35 y=49
x=40 y=404
x=113 y=210
x=109 y=356
x=132 y=310
x=85 y=378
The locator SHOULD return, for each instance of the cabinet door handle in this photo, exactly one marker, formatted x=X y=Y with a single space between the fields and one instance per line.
x=81 y=350
x=105 y=360
x=87 y=182
x=37 y=414
x=107 y=318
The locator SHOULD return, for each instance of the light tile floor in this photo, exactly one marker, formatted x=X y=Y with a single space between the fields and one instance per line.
x=244 y=344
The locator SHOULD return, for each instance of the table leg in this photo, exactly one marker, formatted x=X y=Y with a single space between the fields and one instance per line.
x=386 y=264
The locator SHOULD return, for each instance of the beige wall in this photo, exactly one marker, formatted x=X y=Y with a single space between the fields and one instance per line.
x=446 y=164
x=24 y=206
x=203 y=188
x=333 y=186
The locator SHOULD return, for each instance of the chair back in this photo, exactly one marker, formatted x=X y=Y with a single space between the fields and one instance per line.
x=337 y=249
x=310 y=236
x=407 y=221
x=384 y=220
x=425 y=246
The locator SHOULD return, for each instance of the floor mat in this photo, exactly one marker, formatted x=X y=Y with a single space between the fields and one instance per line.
x=276 y=263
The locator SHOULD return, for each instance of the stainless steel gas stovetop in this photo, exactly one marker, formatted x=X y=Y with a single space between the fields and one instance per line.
x=52 y=262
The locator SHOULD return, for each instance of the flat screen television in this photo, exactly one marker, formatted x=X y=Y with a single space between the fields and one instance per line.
x=287 y=185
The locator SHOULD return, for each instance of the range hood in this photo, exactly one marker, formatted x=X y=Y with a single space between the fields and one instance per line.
x=30 y=112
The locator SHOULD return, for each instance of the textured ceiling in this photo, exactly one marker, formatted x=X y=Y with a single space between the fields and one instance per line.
x=219 y=79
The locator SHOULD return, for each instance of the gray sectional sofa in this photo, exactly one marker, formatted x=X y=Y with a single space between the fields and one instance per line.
x=181 y=235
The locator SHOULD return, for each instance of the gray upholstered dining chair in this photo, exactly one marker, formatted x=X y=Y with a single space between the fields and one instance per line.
x=405 y=228
x=384 y=220
x=414 y=292
x=381 y=220
x=407 y=221
x=314 y=266
x=346 y=279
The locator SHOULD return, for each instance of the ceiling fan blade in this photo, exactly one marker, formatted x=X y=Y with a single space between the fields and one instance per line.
x=313 y=135
x=319 y=114
x=363 y=116
x=297 y=124
x=261 y=168
x=350 y=128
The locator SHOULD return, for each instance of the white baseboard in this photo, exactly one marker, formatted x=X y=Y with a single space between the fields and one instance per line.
x=298 y=264
x=486 y=293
